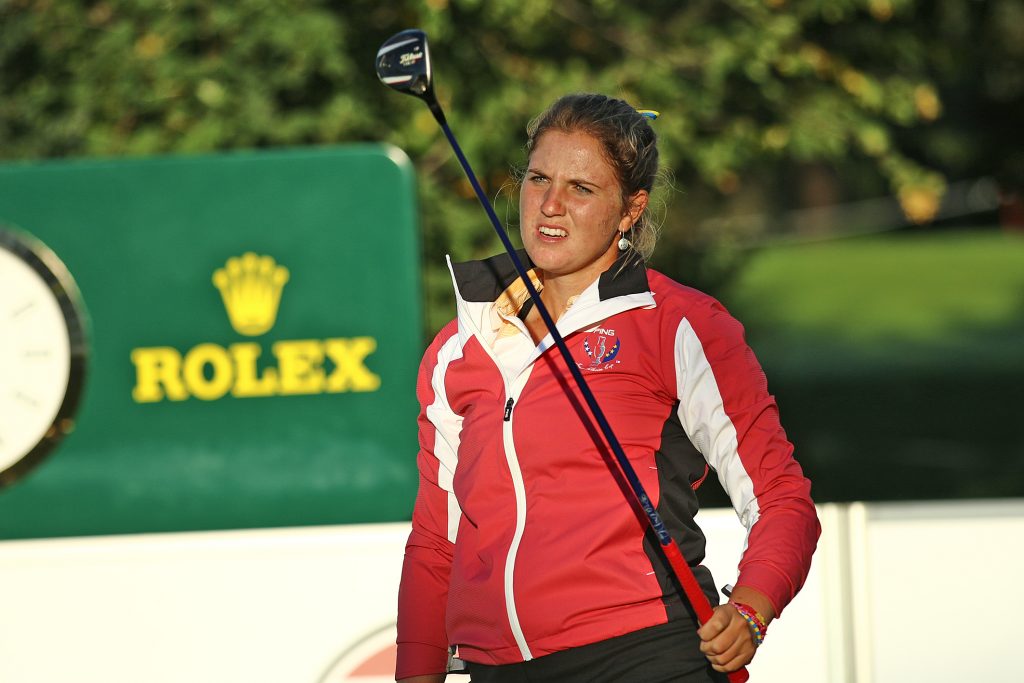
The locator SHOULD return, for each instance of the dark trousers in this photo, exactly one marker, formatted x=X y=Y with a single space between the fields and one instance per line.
x=667 y=653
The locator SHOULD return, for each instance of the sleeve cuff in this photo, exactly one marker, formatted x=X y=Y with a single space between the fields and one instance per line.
x=768 y=581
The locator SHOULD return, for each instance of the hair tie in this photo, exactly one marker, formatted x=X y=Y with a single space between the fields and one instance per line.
x=649 y=113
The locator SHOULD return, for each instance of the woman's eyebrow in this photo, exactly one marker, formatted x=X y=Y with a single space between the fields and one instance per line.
x=578 y=181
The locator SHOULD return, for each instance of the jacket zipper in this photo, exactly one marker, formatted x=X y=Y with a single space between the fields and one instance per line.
x=520 y=493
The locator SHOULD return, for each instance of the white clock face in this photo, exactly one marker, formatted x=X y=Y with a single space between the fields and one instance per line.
x=37 y=354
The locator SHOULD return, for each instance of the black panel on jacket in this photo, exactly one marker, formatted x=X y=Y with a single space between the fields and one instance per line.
x=680 y=465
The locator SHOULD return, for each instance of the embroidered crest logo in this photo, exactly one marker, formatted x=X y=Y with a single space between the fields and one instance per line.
x=601 y=346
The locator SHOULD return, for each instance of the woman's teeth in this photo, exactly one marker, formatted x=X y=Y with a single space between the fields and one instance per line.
x=552 y=232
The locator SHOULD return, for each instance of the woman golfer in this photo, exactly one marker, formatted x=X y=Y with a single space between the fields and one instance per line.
x=527 y=557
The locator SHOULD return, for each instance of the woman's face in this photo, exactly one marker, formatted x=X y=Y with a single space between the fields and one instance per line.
x=571 y=209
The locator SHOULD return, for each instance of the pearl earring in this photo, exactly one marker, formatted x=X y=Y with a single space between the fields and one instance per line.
x=624 y=244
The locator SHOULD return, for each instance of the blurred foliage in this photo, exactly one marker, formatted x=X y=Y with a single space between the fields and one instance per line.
x=752 y=92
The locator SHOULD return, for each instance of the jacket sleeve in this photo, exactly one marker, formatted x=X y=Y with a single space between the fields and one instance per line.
x=731 y=418
x=423 y=593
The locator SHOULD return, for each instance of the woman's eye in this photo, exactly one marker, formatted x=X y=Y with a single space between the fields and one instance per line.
x=584 y=189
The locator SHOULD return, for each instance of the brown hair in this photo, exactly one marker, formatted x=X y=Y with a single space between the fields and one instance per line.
x=629 y=142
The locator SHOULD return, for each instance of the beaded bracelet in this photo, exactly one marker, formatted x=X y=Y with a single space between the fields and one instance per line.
x=754 y=620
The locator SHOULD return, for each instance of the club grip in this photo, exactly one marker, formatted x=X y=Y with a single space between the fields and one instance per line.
x=739 y=676
x=698 y=600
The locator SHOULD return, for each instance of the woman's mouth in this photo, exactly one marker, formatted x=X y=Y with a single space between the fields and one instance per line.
x=549 y=231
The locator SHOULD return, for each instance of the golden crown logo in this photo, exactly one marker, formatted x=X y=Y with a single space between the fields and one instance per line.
x=251 y=288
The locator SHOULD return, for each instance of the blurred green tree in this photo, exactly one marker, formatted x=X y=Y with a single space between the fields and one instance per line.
x=751 y=91
x=975 y=52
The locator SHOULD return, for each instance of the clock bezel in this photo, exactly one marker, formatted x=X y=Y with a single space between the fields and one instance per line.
x=51 y=269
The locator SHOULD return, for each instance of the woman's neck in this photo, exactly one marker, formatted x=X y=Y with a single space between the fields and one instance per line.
x=559 y=293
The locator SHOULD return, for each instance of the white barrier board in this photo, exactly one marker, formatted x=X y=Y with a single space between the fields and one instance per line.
x=887 y=600
x=281 y=606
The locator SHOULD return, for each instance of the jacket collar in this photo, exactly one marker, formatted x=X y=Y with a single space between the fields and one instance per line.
x=478 y=283
x=484 y=281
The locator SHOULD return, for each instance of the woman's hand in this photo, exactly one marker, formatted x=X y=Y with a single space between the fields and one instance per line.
x=726 y=639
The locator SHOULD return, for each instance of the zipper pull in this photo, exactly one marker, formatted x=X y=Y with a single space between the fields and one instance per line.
x=508 y=410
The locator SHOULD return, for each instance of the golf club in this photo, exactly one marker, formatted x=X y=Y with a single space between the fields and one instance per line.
x=403 y=64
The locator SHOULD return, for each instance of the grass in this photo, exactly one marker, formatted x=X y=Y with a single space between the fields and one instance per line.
x=887 y=301
x=897 y=361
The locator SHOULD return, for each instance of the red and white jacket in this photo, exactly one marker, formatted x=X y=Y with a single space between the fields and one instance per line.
x=525 y=541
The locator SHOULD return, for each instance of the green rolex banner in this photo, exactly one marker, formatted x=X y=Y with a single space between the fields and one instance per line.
x=253 y=329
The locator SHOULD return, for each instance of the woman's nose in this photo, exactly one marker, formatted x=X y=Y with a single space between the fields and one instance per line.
x=552 y=204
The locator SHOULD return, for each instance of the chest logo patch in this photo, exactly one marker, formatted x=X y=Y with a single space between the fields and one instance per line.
x=601 y=347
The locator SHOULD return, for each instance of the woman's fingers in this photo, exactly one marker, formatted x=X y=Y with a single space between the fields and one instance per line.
x=726 y=640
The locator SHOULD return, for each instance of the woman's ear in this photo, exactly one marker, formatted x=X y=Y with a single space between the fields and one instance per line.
x=635 y=206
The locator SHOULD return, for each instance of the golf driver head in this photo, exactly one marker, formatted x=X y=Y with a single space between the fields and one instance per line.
x=403 y=64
